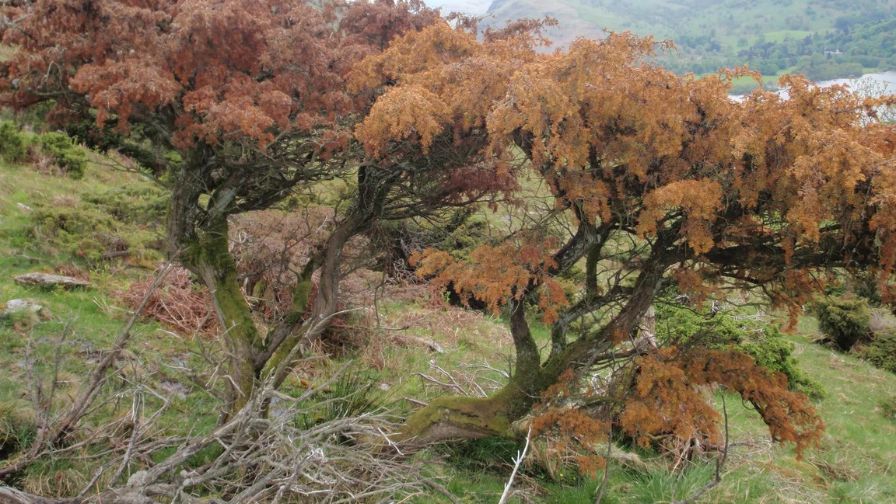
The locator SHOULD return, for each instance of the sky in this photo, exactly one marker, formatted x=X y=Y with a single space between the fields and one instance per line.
x=465 y=6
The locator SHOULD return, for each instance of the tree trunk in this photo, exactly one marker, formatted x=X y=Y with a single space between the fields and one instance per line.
x=468 y=418
x=474 y=417
x=210 y=258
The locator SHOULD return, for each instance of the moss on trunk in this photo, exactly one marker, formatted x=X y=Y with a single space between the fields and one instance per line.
x=210 y=257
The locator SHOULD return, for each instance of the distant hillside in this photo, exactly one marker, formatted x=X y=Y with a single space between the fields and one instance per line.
x=824 y=38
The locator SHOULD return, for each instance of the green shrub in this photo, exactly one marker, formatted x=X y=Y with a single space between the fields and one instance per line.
x=888 y=408
x=90 y=233
x=13 y=144
x=144 y=205
x=881 y=351
x=759 y=339
x=68 y=156
x=844 y=320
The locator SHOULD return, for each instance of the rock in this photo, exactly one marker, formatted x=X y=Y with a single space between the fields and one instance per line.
x=408 y=340
x=14 y=306
x=174 y=388
x=51 y=280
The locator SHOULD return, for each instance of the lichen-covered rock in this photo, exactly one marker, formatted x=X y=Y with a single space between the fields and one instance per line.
x=20 y=306
x=51 y=280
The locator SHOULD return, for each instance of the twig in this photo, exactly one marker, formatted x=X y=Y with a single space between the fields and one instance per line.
x=603 y=484
x=516 y=466
x=52 y=434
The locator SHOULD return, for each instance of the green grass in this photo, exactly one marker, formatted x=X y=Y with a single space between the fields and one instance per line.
x=92 y=316
x=854 y=464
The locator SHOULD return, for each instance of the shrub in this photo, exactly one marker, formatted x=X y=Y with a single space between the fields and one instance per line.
x=65 y=154
x=89 y=233
x=881 y=351
x=844 y=320
x=13 y=144
x=760 y=340
x=888 y=408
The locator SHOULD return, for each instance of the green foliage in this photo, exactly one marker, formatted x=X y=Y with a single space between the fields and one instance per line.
x=353 y=393
x=68 y=156
x=881 y=351
x=101 y=227
x=845 y=320
x=725 y=329
x=13 y=143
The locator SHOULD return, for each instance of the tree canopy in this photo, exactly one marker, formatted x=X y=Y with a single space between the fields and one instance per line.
x=666 y=180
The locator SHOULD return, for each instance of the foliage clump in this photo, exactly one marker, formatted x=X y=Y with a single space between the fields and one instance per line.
x=667 y=405
x=69 y=157
x=565 y=434
x=844 y=320
x=176 y=302
x=13 y=143
x=881 y=351
x=736 y=331
x=93 y=232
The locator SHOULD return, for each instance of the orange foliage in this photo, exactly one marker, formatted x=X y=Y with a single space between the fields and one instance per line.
x=497 y=274
x=667 y=399
x=569 y=432
x=633 y=147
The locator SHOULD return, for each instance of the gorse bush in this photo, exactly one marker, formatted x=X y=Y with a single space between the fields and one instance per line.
x=881 y=351
x=844 y=320
x=64 y=153
x=13 y=143
x=757 y=338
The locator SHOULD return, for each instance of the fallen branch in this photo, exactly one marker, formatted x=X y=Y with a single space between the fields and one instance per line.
x=52 y=434
x=516 y=467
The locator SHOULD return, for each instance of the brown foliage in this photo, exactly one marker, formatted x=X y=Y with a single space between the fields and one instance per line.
x=177 y=302
x=569 y=433
x=667 y=402
x=212 y=70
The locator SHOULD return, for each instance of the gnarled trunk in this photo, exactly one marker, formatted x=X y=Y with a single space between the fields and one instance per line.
x=469 y=418
x=210 y=258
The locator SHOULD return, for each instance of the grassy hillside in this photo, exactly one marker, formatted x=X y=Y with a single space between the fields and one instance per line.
x=822 y=38
x=856 y=463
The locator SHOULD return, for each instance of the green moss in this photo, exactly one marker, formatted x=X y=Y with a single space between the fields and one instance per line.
x=487 y=416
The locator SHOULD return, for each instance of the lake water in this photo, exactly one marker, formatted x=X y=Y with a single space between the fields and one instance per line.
x=874 y=83
x=884 y=82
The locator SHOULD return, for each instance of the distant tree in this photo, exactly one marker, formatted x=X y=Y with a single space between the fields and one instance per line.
x=663 y=181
